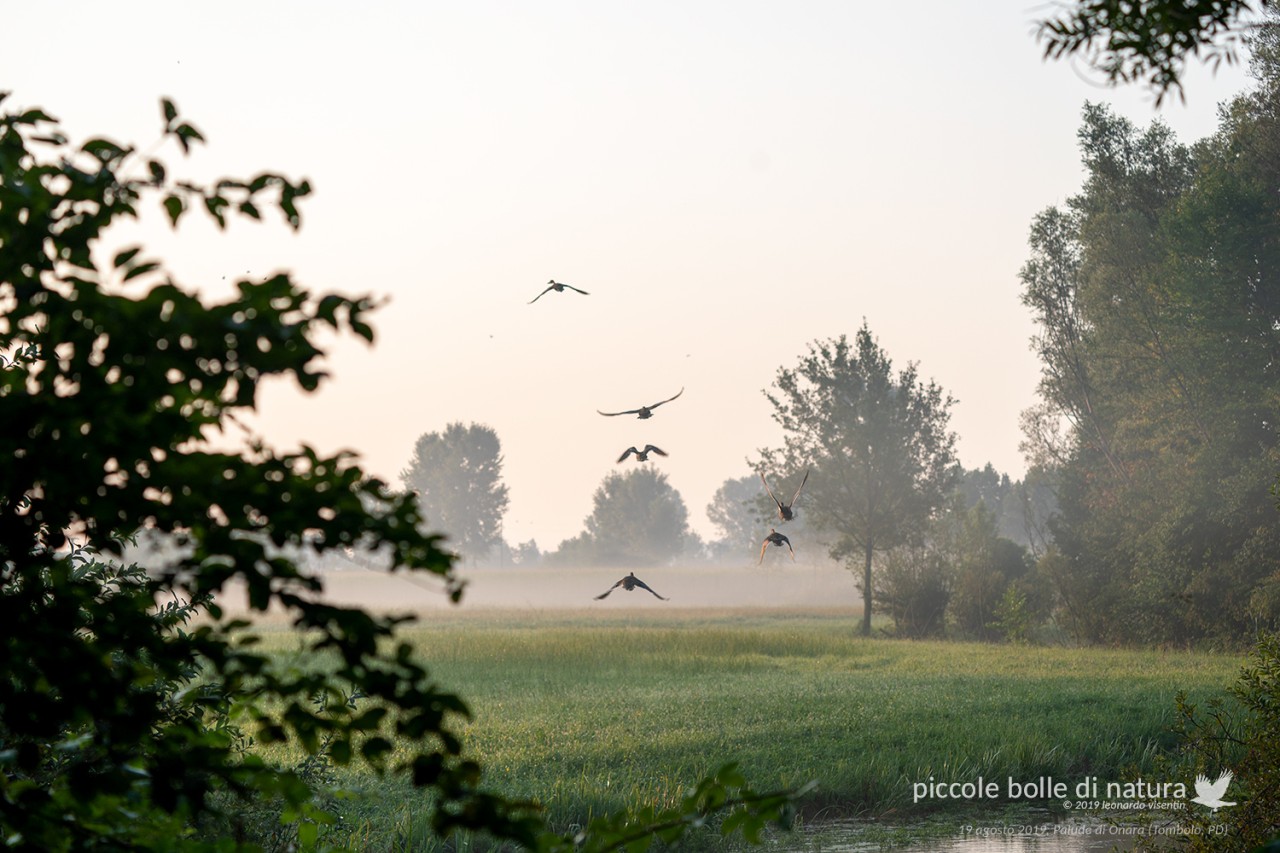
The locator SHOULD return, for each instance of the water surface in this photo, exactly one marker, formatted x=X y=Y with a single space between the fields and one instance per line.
x=1035 y=834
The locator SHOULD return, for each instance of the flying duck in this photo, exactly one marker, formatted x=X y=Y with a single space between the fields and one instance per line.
x=775 y=538
x=628 y=583
x=642 y=455
x=643 y=412
x=558 y=287
x=785 y=511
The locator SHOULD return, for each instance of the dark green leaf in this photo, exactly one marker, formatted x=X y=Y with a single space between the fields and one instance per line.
x=125 y=256
x=140 y=269
x=340 y=752
x=186 y=135
x=376 y=748
x=33 y=117
x=362 y=329
x=174 y=206
x=215 y=205
x=103 y=150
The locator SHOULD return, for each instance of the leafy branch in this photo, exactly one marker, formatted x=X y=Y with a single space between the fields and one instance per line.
x=1134 y=40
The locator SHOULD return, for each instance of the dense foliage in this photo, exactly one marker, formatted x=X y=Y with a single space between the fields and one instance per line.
x=457 y=476
x=115 y=714
x=962 y=577
x=883 y=459
x=1155 y=290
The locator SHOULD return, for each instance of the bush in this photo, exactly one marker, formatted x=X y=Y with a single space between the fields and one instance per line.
x=914 y=588
x=1244 y=738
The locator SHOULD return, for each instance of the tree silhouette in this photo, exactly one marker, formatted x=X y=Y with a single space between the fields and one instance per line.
x=736 y=510
x=883 y=460
x=457 y=475
x=637 y=519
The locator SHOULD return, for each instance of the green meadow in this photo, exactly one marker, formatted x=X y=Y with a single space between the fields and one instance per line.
x=589 y=713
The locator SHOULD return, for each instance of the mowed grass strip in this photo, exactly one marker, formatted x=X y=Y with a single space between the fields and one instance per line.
x=590 y=714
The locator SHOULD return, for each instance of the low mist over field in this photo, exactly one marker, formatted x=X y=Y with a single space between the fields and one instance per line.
x=575 y=589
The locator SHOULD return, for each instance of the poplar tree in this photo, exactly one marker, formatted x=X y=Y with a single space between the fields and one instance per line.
x=882 y=456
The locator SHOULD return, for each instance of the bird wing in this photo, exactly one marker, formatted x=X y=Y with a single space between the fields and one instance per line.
x=802 y=482
x=789 y=548
x=668 y=400
x=649 y=448
x=615 y=414
x=763 y=547
x=1218 y=788
x=1203 y=788
x=770 y=491
x=540 y=295
x=571 y=287
x=644 y=585
x=628 y=451
x=605 y=594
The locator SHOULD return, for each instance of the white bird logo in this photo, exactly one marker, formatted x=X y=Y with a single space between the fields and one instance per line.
x=1211 y=794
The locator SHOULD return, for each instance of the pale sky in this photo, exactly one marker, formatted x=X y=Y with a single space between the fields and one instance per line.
x=729 y=180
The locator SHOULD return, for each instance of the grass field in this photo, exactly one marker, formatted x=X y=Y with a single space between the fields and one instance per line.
x=590 y=712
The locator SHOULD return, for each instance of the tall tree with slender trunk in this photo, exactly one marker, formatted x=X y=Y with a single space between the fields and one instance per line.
x=457 y=475
x=882 y=456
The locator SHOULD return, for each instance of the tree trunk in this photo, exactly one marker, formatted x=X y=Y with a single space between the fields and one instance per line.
x=866 y=595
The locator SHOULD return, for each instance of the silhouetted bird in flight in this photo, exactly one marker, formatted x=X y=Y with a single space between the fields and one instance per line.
x=558 y=287
x=628 y=583
x=785 y=511
x=642 y=455
x=642 y=412
x=775 y=538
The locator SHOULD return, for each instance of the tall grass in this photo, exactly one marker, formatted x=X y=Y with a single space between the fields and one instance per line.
x=592 y=714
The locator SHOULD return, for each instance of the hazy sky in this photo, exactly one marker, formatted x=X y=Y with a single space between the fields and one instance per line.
x=729 y=180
